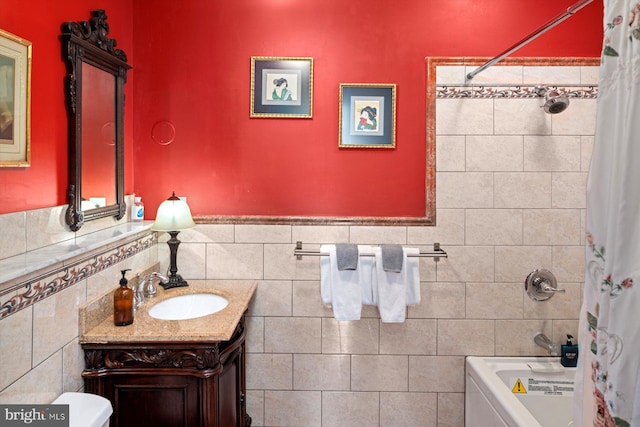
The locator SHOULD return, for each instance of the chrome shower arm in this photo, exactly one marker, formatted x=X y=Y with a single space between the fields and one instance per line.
x=571 y=10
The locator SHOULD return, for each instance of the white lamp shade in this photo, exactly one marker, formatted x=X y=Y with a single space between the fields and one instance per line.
x=173 y=215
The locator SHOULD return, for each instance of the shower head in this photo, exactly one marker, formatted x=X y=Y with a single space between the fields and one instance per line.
x=554 y=102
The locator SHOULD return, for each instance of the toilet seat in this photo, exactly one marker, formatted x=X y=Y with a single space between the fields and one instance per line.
x=86 y=409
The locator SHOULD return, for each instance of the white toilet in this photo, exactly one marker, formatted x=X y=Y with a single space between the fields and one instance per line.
x=86 y=409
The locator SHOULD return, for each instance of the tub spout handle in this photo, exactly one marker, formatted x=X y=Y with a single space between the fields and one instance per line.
x=545 y=287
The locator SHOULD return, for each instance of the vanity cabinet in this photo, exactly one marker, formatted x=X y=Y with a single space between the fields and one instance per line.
x=171 y=384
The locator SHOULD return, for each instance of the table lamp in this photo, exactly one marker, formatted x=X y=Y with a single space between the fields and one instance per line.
x=173 y=215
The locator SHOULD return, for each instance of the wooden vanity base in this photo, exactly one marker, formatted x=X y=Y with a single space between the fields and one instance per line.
x=171 y=384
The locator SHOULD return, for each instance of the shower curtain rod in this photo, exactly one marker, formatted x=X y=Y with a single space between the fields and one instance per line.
x=571 y=10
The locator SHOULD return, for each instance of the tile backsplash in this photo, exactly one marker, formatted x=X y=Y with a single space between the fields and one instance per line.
x=47 y=274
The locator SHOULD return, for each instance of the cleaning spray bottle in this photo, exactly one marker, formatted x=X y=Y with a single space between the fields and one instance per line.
x=569 y=353
x=123 y=302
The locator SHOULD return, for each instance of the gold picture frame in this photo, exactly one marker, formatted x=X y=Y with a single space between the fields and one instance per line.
x=281 y=87
x=367 y=117
x=15 y=100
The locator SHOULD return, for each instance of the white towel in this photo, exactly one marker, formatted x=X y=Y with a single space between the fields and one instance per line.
x=397 y=290
x=412 y=266
x=325 y=275
x=367 y=265
x=341 y=288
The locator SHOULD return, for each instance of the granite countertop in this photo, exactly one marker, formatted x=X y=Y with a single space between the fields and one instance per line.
x=96 y=317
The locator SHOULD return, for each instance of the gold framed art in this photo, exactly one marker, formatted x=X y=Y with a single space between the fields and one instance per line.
x=281 y=87
x=367 y=117
x=15 y=100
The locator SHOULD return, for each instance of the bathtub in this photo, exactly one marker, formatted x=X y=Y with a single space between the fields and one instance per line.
x=518 y=392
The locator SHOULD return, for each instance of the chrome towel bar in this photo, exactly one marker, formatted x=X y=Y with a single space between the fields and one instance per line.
x=436 y=254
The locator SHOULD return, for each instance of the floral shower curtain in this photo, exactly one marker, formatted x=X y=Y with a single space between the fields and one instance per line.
x=608 y=377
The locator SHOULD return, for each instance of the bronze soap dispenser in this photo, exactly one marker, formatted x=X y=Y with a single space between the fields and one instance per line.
x=123 y=303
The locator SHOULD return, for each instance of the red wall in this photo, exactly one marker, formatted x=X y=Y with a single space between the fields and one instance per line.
x=193 y=69
x=44 y=183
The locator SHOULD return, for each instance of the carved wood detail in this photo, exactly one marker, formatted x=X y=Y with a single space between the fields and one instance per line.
x=202 y=358
x=95 y=31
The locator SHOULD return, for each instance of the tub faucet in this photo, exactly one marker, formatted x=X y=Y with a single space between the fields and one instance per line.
x=146 y=287
x=543 y=341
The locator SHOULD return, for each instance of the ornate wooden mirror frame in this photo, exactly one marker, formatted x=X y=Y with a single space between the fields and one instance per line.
x=89 y=52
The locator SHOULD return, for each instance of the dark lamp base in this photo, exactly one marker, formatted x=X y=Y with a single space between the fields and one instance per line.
x=175 y=281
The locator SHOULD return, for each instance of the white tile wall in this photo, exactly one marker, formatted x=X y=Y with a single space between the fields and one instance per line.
x=39 y=348
x=402 y=409
x=16 y=360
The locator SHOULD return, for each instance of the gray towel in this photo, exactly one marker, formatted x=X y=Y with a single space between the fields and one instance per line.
x=392 y=258
x=347 y=256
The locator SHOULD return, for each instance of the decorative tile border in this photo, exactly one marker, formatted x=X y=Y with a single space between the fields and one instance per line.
x=27 y=293
x=513 y=92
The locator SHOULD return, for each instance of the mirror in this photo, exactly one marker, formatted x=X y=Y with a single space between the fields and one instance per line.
x=94 y=91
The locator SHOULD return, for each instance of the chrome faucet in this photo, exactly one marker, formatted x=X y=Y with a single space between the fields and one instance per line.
x=146 y=287
x=543 y=341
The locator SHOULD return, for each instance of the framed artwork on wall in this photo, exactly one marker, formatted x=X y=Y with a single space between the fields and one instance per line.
x=15 y=100
x=281 y=87
x=367 y=117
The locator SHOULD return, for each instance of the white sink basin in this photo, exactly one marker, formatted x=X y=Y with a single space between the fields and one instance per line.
x=188 y=306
